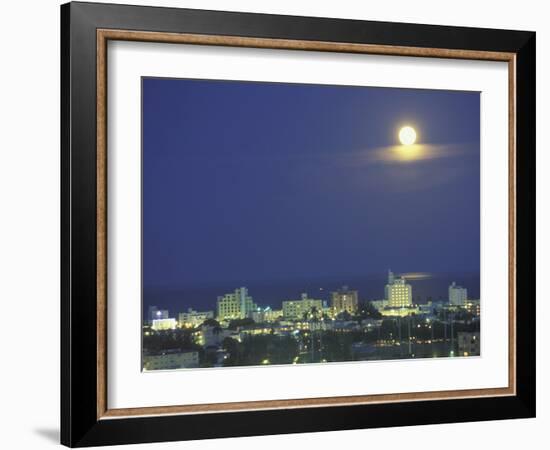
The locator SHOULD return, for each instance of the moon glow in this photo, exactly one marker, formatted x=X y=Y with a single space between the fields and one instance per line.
x=407 y=135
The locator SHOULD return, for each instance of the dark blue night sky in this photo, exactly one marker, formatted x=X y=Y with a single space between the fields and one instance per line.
x=249 y=183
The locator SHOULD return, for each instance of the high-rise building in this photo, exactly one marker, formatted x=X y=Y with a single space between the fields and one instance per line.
x=457 y=295
x=345 y=299
x=398 y=292
x=236 y=305
x=295 y=309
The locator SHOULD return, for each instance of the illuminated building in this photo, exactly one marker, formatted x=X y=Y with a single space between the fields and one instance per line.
x=328 y=311
x=155 y=313
x=398 y=292
x=457 y=295
x=171 y=359
x=468 y=344
x=295 y=309
x=473 y=307
x=253 y=331
x=426 y=308
x=266 y=315
x=345 y=300
x=164 y=324
x=272 y=315
x=213 y=336
x=193 y=318
x=237 y=305
x=379 y=304
x=258 y=316
x=399 y=311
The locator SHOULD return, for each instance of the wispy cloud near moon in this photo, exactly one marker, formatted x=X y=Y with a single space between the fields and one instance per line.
x=417 y=276
x=401 y=168
x=410 y=153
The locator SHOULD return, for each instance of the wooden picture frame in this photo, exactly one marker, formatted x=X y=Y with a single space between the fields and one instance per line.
x=86 y=418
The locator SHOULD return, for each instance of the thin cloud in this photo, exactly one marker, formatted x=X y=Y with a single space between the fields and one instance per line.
x=417 y=276
x=411 y=153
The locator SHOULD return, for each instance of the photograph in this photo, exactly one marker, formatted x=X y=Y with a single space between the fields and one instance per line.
x=289 y=223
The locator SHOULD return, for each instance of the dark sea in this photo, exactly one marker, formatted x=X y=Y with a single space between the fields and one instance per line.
x=271 y=293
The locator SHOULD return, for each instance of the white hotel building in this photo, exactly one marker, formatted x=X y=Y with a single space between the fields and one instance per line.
x=193 y=318
x=458 y=295
x=295 y=309
x=236 y=305
x=398 y=292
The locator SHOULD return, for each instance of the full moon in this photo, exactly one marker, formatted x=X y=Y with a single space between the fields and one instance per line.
x=407 y=135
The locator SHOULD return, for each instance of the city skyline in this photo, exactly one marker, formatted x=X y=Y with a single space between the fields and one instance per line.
x=370 y=287
x=457 y=295
x=296 y=331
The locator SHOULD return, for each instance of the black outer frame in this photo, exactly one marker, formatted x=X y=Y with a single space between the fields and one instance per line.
x=79 y=424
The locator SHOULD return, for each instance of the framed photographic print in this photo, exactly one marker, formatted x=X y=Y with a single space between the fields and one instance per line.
x=276 y=224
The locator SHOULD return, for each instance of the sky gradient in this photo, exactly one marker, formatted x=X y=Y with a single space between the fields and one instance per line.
x=257 y=182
